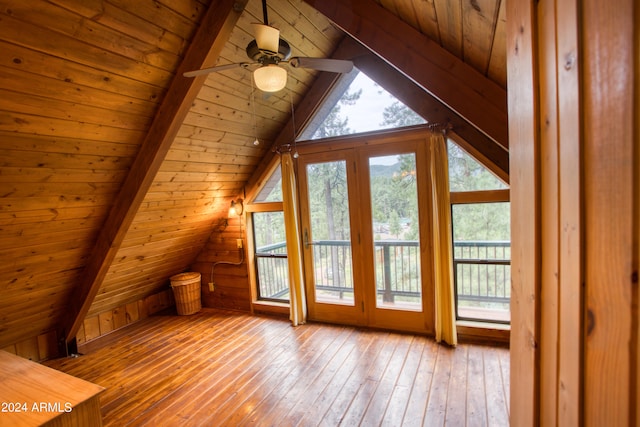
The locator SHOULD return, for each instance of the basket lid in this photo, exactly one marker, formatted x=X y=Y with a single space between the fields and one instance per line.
x=185 y=276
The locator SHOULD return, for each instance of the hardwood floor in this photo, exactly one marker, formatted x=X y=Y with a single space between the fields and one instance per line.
x=222 y=368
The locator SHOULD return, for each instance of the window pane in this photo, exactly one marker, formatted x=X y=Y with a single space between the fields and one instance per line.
x=482 y=261
x=271 y=256
x=466 y=174
x=330 y=232
x=358 y=104
x=272 y=190
x=394 y=209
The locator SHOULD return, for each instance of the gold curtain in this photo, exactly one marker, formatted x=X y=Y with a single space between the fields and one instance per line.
x=298 y=303
x=442 y=242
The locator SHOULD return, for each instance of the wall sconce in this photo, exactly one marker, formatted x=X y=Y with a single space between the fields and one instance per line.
x=236 y=207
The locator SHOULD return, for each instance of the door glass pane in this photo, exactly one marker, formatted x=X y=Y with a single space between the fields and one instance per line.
x=330 y=234
x=482 y=261
x=271 y=256
x=394 y=209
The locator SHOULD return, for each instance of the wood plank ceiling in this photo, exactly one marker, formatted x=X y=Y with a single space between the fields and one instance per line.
x=81 y=83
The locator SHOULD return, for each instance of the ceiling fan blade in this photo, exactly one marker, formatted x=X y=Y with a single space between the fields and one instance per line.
x=322 y=64
x=216 y=69
x=267 y=37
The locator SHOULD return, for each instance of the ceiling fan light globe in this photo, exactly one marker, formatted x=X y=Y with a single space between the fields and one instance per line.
x=270 y=78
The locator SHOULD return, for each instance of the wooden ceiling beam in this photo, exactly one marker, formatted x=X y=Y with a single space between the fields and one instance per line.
x=463 y=89
x=208 y=42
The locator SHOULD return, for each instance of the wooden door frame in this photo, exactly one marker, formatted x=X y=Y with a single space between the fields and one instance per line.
x=412 y=321
x=419 y=137
x=323 y=311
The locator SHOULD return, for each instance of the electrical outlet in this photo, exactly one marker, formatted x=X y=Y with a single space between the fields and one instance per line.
x=239 y=243
x=211 y=287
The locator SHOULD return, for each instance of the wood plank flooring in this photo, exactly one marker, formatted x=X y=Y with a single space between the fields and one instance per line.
x=223 y=368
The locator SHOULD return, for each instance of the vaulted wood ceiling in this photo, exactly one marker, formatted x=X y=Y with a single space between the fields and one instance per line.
x=114 y=168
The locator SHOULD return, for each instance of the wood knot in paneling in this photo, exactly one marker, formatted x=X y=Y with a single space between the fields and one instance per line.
x=591 y=321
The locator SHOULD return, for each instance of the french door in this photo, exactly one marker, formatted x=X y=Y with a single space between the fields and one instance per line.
x=363 y=215
x=330 y=237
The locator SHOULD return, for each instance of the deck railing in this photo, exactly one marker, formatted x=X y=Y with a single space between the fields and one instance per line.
x=273 y=272
x=482 y=270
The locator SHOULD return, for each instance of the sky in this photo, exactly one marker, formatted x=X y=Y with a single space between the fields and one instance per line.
x=366 y=115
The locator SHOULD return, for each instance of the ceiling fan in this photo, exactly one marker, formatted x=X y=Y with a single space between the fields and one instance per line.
x=268 y=51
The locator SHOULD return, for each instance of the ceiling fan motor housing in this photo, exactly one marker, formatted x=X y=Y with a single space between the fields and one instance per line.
x=268 y=57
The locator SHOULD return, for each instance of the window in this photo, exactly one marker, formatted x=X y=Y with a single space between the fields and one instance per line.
x=466 y=174
x=480 y=218
x=272 y=189
x=479 y=205
x=269 y=241
x=481 y=261
x=358 y=104
x=271 y=256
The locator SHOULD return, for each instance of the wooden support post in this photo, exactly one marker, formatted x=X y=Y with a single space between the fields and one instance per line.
x=573 y=108
x=525 y=207
x=610 y=75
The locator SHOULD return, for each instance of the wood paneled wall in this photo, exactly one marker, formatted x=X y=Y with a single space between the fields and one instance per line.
x=109 y=321
x=230 y=277
x=45 y=346
x=79 y=86
x=38 y=349
x=573 y=106
x=209 y=163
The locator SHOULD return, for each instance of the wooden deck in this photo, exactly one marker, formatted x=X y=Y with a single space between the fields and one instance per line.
x=219 y=368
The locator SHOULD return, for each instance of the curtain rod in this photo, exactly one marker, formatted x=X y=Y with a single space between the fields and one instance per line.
x=440 y=127
x=283 y=148
x=443 y=127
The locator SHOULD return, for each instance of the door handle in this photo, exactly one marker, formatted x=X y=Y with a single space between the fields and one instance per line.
x=307 y=243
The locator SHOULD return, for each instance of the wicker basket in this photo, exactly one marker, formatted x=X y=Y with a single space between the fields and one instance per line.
x=186 y=291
